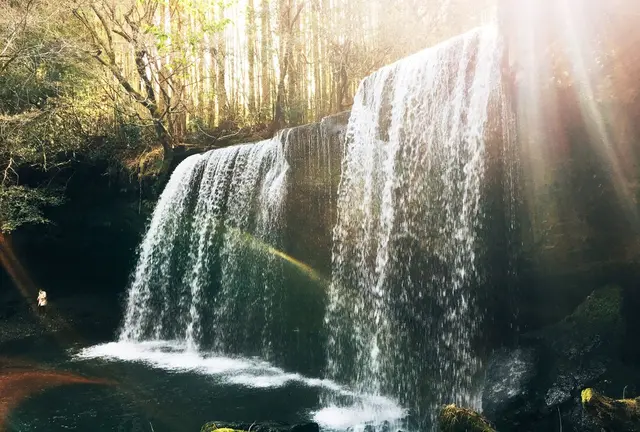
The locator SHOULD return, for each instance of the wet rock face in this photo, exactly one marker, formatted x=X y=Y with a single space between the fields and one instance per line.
x=508 y=380
x=90 y=245
x=314 y=155
x=538 y=384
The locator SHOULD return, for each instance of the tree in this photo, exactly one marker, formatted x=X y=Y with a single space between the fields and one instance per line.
x=251 y=57
x=40 y=76
x=288 y=15
x=202 y=72
x=104 y=23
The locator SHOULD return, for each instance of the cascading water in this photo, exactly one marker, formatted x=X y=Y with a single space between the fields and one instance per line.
x=237 y=254
x=236 y=258
x=205 y=274
x=403 y=313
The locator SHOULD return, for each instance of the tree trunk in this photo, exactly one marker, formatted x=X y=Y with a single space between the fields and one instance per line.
x=251 y=52
x=279 y=120
x=289 y=14
x=317 y=43
x=152 y=105
x=265 y=55
x=223 y=104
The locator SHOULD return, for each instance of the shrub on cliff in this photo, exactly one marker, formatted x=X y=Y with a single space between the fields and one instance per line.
x=20 y=205
x=55 y=109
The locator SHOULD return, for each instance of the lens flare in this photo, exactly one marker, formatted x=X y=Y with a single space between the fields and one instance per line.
x=16 y=271
x=574 y=70
x=20 y=380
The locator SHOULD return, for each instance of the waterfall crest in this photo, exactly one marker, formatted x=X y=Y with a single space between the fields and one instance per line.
x=402 y=309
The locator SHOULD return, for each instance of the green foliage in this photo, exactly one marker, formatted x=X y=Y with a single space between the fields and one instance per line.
x=55 y=105
x=45 y=99
x=161 y=37
x=21 y=205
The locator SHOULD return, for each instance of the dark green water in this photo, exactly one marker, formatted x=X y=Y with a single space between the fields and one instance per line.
x=149 y=386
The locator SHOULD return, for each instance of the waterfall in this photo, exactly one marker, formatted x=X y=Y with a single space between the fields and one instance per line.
x=407 y=257
x=206 y=274
x=238 y=251
x=239 y=257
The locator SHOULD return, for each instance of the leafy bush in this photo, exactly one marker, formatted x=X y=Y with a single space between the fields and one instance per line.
x=21 y=205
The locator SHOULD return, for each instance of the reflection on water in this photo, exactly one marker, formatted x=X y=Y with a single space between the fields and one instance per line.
x=20 y=380
x=162 y=387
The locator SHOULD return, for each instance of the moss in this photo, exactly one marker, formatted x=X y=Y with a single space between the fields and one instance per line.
x=455 y=419
x=214 y=428
x=599 y=314
x=612 y=414
x=226 y=430
x=587 y=395
x=602 y=307
x=150 y=163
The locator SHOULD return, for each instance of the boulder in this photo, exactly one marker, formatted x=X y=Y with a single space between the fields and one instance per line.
x=456 y=419
x=221 y=426
x=507 y=382
x=537 y=385
x=621 y=415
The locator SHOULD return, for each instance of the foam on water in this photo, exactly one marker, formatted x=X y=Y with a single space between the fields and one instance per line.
x=358 y=410
x=371 y=410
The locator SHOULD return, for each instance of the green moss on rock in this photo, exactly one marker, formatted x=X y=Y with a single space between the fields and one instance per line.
x=211 y=427
x=587 y=395
x=601 y=308
x=226 y=430
x=219 y=426
x=455 y=419
x=612 y=414
x=595 y=327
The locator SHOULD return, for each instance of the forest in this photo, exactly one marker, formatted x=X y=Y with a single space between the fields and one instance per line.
x=128 y=81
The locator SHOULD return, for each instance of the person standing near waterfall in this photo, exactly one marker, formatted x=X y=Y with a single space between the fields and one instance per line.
x=42 y=301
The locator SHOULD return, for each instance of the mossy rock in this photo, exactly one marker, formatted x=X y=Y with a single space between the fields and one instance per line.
x=219 y=426
x=602 y=309
x=585 y=345
x=455 y=419
x=595 y=326
x=583 y=349
x=619 y=415
x=225 y=430
x=212 y=427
